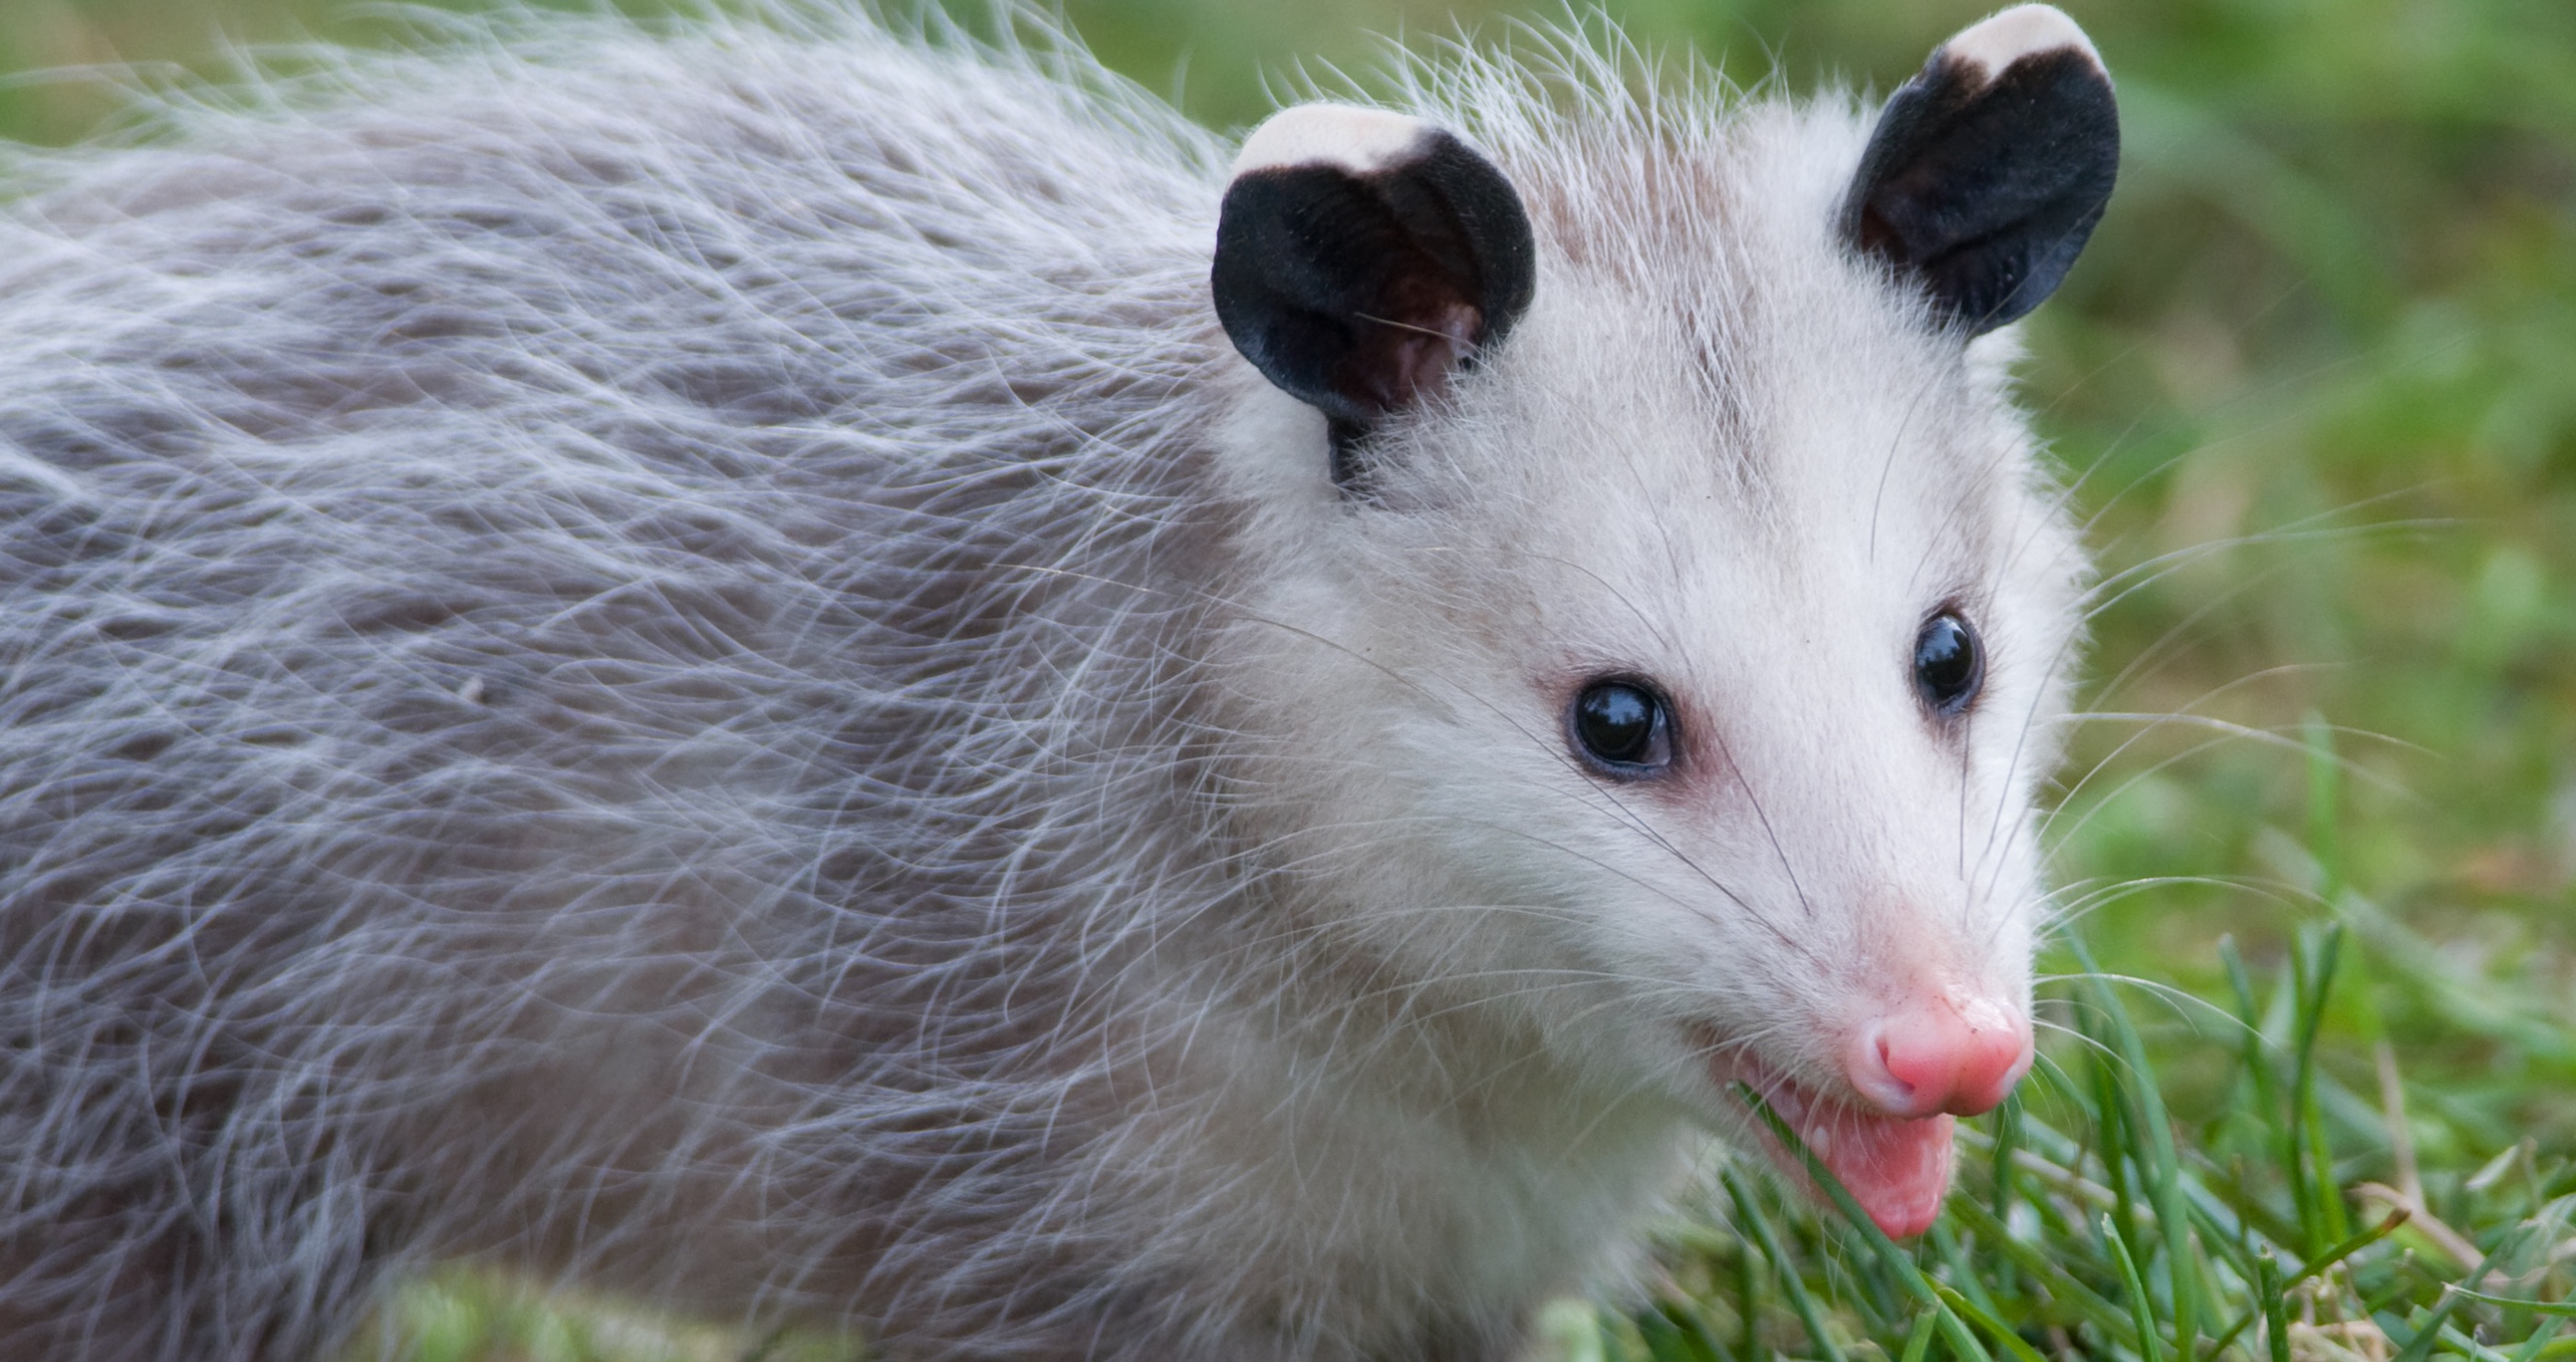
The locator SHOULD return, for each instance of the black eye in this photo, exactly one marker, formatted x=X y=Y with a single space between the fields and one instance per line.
x=1624 y=726
x=1948 y=664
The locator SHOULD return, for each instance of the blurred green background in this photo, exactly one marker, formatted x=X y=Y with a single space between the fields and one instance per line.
x=2316 y=380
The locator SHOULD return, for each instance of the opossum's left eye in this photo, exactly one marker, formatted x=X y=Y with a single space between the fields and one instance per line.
x=1948 y=664
x=1624 y=726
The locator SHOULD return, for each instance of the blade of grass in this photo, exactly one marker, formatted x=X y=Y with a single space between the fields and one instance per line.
x=1871 y=1237
x=1893 y=1259
x=2240 y=984
x=2013 y=1342
x=1884 y=1306
x=2325 y=811
x=2052 y=1275
x=2468 y=1346
x=2007 y=1137
x=2150 y=1348
x=2540 y=1338
x=1749 y=1215
x=1748 y=1305
x=2320 y=1264
x=2315 y=1267
x=2161 y=1164
x=2111 y=1128
x=2233 y=1191
x=2419 y=1347
x=1945 y=1244
x=2313 y=1161
x=2274 y=1301
x=2553 y=1309
x=1674 y=1332
x=2258 y=1065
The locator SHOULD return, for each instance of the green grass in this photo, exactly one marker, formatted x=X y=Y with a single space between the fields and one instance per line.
x=465 y=1315
x=2305 y=1214
x=2316 y=384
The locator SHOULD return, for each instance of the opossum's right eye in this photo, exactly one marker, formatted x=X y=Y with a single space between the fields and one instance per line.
x=1948 y=665
x=1624 y=726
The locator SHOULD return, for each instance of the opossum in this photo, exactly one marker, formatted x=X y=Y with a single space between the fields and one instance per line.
x=844 y=677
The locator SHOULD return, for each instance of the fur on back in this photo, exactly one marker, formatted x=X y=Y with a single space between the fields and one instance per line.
x=683 y=659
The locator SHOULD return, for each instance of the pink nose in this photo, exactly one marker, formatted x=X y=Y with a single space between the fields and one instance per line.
x=1941 y=1053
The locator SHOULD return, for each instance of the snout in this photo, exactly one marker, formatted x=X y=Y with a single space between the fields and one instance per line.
x=1940 y=1051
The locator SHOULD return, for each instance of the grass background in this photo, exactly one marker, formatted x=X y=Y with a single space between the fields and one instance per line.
x=2316 y=379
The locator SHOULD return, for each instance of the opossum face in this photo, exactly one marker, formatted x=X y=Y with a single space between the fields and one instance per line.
x=1668 y=620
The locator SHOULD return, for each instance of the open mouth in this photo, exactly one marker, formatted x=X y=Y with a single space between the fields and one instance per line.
x=1897 y=1168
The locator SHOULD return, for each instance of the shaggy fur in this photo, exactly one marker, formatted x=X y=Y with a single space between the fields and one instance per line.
x=685 y=660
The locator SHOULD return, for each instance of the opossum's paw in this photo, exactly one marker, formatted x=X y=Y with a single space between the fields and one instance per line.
x=1989 y=168
x=1363 y=257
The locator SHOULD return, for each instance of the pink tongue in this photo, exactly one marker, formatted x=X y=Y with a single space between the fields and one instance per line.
x=1898 y=1170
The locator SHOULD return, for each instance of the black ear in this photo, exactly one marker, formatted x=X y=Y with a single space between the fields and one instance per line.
x=1990 y=167
x=1363 y=257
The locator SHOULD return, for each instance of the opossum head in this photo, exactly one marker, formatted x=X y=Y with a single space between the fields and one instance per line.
x=1657 y=614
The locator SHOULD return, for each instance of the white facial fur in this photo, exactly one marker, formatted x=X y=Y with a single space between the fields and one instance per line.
x=1720 y=454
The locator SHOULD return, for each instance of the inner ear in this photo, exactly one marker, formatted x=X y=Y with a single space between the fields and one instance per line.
x=1363 y=258
x=1989 y=169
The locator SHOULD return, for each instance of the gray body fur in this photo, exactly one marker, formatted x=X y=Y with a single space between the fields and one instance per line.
x=688 y=663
